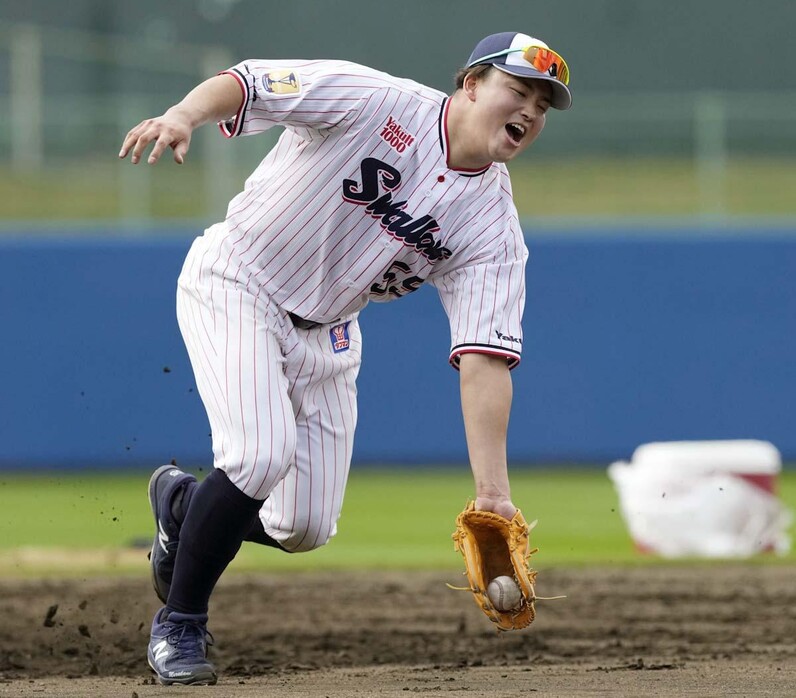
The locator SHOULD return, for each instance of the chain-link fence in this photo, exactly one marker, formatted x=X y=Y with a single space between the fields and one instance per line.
x=69 y=96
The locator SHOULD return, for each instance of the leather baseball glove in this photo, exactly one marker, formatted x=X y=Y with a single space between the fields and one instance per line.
x=493 y=546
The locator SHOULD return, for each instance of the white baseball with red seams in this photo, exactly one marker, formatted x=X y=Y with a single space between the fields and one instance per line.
x=504 y=593
x=355 y=203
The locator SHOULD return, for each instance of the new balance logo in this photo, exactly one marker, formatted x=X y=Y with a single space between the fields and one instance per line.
x=161 y=650
x=162 y=537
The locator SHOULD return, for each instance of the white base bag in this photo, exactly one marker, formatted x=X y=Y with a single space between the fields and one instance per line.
x=703 y=498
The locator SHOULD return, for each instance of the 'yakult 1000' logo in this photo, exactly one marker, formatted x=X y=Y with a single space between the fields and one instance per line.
x=395 y=134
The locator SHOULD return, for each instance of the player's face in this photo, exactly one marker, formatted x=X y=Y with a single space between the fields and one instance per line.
x=511 y=113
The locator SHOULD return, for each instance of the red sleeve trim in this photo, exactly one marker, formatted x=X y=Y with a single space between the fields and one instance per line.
x=234 y=126
x=512 y=357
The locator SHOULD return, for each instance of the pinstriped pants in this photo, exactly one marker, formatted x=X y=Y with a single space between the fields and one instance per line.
x=281 y=402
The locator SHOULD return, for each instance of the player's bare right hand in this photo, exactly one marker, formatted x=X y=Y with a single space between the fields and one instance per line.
x=168 y=131
x=497 y=505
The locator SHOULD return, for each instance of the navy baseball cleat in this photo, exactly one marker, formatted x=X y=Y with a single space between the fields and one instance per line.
x=177 y=649
x=166 y=482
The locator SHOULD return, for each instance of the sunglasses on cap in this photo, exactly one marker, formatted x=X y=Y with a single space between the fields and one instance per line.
x=542 y=59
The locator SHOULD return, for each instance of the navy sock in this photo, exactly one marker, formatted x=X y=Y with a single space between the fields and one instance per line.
x=218 y=518
x=255 y=534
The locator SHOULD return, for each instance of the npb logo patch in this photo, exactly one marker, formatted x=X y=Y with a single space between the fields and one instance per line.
x=281 y=82
x=340 y=339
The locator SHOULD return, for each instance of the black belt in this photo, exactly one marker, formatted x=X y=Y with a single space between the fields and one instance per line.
x=303 y=324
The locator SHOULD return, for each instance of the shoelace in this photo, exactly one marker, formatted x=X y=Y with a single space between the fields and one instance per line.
x=189 y=637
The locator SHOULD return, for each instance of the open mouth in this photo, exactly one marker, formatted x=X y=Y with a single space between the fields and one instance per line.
x=516 y=132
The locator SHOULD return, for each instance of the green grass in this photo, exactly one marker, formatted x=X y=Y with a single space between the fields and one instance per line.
x=86 y=523
x=613 y=187
x=561 y=187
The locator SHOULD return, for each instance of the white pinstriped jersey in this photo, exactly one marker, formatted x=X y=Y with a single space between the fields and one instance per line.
x=356 y=203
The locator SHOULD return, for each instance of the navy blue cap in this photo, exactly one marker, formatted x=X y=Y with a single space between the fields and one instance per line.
x=504 y=51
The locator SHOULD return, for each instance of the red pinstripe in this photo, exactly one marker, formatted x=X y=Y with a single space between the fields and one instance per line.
x=254 y=382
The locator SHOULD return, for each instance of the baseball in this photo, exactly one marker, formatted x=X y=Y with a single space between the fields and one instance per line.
x=504 y=593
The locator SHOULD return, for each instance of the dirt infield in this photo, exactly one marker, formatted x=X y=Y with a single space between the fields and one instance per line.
x=713 y=630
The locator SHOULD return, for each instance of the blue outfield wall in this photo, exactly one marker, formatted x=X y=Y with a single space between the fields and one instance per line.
x=626 y=341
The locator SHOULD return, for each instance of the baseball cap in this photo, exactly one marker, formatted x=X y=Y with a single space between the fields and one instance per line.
x=525 y=57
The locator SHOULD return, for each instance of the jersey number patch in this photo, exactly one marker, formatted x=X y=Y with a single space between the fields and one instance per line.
x=391 y=286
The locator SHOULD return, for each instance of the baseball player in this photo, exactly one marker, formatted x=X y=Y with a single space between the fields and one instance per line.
x=377 y=185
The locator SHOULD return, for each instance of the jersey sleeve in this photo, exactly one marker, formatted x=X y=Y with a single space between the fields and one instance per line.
x=298 y=94
x=484 y=302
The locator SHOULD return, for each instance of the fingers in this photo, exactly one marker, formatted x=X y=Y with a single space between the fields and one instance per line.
x=130 y=139
x=137 y=140
x=180 y=150
x=160 y=145
x=162 y=134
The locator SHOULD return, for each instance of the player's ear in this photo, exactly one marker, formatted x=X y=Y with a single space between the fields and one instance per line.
x=470 y=85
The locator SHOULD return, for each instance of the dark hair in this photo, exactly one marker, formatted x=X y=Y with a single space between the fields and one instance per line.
x=478 y=71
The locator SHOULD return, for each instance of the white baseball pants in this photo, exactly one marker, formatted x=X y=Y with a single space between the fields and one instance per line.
x=281 y=401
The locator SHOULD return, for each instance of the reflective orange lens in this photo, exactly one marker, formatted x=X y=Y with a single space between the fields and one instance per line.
x=546 y=60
